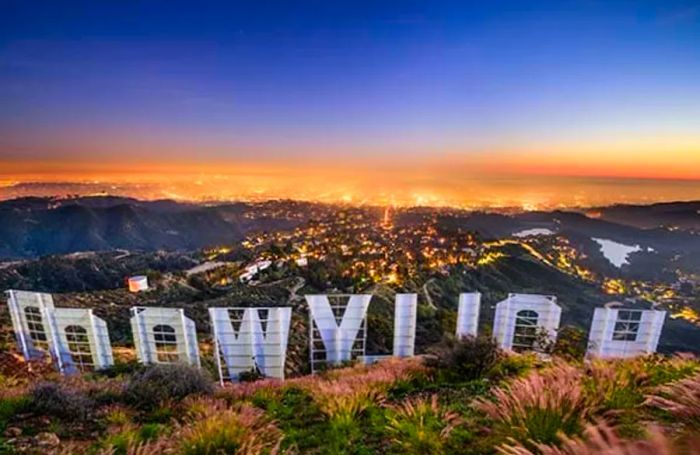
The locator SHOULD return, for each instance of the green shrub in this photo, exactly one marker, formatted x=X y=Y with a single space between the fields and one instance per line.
x=421 y=427
x=158 y=383
x=251 y=376
x=571 y=344
x=342 y=434
x=540 y=408
x=616 y=385
x=414 y=385
x=464 y=359
x=11 y=406
x=217 y=429
x=162 y=413
x=663 y=370
x=120 y=369
x=62 y=401
x=298 y=416
x=121 y=443
x=512 y=365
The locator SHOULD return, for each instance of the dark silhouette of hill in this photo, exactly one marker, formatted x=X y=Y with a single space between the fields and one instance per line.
x=33 y=227
x=681 y=215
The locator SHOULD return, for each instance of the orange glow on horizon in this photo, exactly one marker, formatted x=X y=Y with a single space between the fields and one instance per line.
x=530 y=178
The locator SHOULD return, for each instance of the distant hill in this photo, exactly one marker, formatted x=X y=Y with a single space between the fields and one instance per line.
x=661 y=250
x=33 y=227
x=680 y=215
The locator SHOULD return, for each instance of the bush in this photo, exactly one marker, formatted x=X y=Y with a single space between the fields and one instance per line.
x=616 y=385
x=218 y=429
x=571 y=344
x=158 y=383
x=681 y=399
x=663 y=370
x=297 y=415
x=540 y=408
x=123 y=442
x=120 y=369
x=56 y=400
x=599 y=439
x=251 y=376
x=464 y=359
x=513 y=365
x=9 y=407
x=421 y=427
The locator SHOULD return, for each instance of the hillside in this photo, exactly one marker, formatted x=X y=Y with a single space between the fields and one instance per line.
x=435 y=253
x=684 y=215
x=457 y=397
x=437 y=294
x=465 y=397
x=35 y=227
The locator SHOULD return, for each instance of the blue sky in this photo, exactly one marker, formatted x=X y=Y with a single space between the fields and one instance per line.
x=246 y=80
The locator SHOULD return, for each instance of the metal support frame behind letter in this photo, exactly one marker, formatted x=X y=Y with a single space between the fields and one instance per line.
x=79 y=340
x=250 y=338
x=647 y=331
x=468 y=314
x=32 y=336
x=337 y=328
x=405 y=314
x=164 y=335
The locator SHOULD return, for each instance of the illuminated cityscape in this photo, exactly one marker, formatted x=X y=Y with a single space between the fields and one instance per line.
x=364 y=246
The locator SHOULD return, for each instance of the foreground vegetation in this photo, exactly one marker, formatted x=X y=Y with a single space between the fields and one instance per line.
x=465 y=397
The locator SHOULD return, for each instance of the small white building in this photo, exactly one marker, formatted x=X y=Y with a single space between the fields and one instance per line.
x=253 y=269
x=618 y=332
x=468 y=314
x=164 y=335
x=138 y=283
x=521 y=319
x=302 y=261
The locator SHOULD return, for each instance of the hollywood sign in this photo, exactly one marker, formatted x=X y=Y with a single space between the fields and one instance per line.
x=255 y=339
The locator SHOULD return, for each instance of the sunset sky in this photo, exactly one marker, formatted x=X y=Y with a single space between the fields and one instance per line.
x=484 y=103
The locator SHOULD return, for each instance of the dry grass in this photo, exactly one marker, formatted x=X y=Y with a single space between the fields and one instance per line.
x=215 y=428
x=542 y=406
x=246 y=390
x=151 y=448
x=601 y=439
x=211 y=427
x=350 y=391
x=345 y=392
x=616 y=384
x=681 y=399
x=421 y=426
